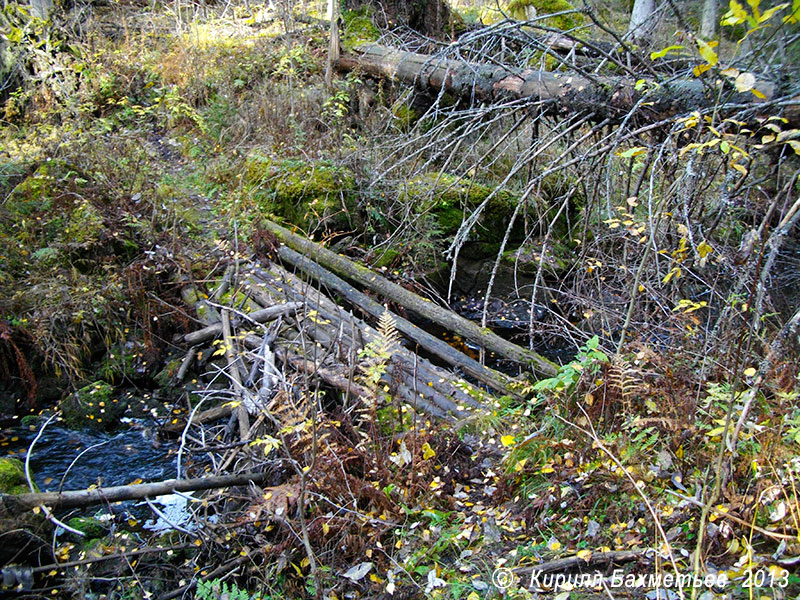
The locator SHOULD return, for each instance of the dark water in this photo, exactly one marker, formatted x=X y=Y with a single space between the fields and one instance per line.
x=121 y=457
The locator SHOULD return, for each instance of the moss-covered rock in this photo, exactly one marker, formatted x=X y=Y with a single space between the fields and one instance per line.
x=92 y=528
x=358 y=28
x=450 y=198
x=165 y=377
x=530 y=9
x=558 y=257
x=93 y=406
x=304 y=193
x=12 y=477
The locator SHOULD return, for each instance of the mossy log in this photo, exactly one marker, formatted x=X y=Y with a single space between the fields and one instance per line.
x=600 y=98
x=411 y=301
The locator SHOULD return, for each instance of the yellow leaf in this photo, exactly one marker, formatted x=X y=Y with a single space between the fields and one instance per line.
x=664 y=52
x=745 y=82
x=585 y=555
x=507 y=440
x=706 y=50
x=704 y=249
x=326 y=528
x=749 y=372
x=795 y=145
x=473 y=596
x=427 y=451
x=700 y=69
x=757 y=94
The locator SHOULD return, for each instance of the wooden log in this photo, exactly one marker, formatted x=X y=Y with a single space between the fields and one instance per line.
x=432 y=344
x=610 y=98
x=441 y=316
x=259 y=316
x=207 y=416
x=420 y=383
x=233 y=367
x=18 y=503
x=206 y=314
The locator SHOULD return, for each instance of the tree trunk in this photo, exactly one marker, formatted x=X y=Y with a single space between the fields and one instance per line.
x=708 y=22
x=642 y=19
x=431 y=17
x=333 y=45
x=434 y=345
x=41 y=9
x=600 y=98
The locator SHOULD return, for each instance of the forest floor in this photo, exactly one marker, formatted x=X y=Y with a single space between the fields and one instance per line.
x=145 y=162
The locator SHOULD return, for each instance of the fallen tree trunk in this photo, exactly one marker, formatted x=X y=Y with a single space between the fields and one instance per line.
x=434 y=345
x=610 y=98
x=446 y=318
x=17 y=503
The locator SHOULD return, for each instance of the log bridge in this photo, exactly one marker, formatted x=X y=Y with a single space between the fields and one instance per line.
x=282 y=331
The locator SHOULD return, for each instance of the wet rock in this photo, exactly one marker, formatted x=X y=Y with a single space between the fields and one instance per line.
x=93 y=406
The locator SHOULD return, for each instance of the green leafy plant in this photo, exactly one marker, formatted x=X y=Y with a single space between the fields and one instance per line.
x=220 y=590
x=588 y=360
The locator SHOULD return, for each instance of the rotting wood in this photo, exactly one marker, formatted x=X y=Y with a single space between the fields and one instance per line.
x=411 y=301
x=604 y=97
x=18 y=503
x=494 y=379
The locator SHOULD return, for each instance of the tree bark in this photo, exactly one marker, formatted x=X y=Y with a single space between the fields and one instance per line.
x=642 y=20
x=600 y=98
x=17 y=503
x=333 y=43
x=709 y=19
x=446 y=318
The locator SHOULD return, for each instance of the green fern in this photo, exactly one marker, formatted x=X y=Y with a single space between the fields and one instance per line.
x=217 y=590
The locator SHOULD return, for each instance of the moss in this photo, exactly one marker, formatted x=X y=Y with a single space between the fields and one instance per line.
x=93 y=528
x=406 y=116
x=558 y=259
x=93 y=407
x=85 y=225
x=165 y=377
x=12 y=477
x=358 y=28
x=521 y=9
x=302 y=192
x=385 y=258
x=448 y=197
x=30 y=420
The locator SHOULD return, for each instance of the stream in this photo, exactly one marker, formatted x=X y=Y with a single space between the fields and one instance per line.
x=110 y=458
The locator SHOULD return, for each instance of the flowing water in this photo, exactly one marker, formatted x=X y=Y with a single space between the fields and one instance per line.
x=71 y=460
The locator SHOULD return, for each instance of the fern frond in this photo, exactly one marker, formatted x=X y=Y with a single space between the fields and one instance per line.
x=390 y=337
